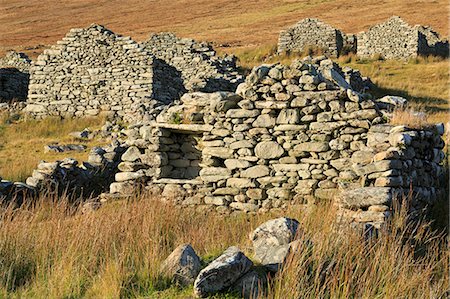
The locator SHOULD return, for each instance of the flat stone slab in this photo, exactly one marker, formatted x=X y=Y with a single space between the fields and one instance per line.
x=184 y=128
x=366 y=197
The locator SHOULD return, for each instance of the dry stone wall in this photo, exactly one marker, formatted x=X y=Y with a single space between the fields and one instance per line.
x=395 y=39
x=94 y=70
x=14 y=77
x=292 y=135
x=315 y=33
x=200 y=67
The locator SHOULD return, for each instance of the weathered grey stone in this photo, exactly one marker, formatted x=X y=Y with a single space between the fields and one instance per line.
x=268 y=150
x=222 y=272
x=365 y=197
x=182 y=265
x=312 y=147
x=255 y=172
x=236 y=164
x=214 y=174
x=132 y=154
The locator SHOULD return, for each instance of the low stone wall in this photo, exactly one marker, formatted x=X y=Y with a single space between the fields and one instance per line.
x=312 y=33
x=200 y=67
x=94 y=70
x=14 y=77
x=395 y=39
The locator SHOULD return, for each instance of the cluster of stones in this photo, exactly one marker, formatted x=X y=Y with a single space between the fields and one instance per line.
x=87 y=178
x=316 y=34
x=291 y=135
x=397 y=39
x=201 y=69
x=93 y=70
x=273 y=241
x=14 y=78
x=393 y=39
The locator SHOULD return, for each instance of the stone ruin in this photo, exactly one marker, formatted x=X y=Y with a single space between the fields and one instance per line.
x=397 y=39
x=93 y=70
x=313 y=33
x=291 y=135
x=393 y=39
x=14 y=77
x=200 y=67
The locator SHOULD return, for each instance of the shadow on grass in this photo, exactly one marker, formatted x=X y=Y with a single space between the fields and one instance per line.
x=430 y=104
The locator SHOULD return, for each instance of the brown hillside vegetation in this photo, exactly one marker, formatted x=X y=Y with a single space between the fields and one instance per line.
x=236 y=22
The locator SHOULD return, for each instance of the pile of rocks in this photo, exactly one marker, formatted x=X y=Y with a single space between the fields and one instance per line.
x=200 y=67
x=396 y=39
x=232 y=271
x=14 y=78
x=93 y=70
x=88 y=178
x=15 y=191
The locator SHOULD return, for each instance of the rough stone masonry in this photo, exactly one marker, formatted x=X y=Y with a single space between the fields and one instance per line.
x=93 y=70
x=291 y=135
x=14 y=77
x=396 y=39
x=200 y=67
x=314 y=33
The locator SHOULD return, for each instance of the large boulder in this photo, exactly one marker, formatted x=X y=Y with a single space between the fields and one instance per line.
x=272 y=241
x=222 y=272
x=182 y=265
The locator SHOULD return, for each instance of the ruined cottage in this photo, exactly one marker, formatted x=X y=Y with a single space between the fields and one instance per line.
x=14 y=77
x=201 y=69
x=93 y=70
x=313 y=33
x=291 y=135
x=396 y=39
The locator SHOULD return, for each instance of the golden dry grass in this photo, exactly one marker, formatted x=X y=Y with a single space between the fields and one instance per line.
x=238 y=23
x=22 y=143
x=51 y=250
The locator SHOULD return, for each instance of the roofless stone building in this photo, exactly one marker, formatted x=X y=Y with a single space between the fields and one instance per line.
x=93 y=70
x=396 y=39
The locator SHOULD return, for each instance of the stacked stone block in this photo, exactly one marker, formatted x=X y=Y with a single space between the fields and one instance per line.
x=395 y=39
x=316 y=34
x=93 y=70
x=200 y=67
x=14 y=77
x=400 y=164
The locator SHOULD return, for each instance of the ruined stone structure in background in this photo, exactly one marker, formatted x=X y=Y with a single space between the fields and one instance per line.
x=14 y=77
x=395 y=39
x=313 y=33
x=94 y=70
x=291 y=135
x=200 y=67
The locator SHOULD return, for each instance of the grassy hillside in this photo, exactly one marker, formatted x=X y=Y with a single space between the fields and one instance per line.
x=237 y=23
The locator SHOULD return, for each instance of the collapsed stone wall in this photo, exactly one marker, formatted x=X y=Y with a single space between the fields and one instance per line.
x=14 y=77
x=94 y=70
x=315 y=33
x=200 y=67
x=68 y=176
x=292 y=135
x=396 y=39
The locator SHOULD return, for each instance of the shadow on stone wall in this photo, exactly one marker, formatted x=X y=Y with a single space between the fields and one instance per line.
x=168 y=84
x=13 y=84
